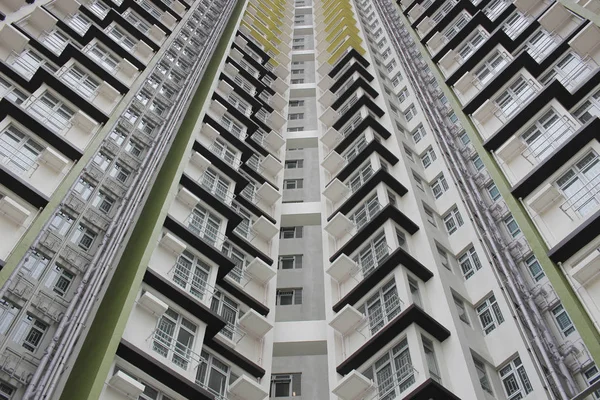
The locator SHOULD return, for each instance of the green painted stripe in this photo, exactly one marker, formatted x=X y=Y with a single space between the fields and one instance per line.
x=98 y=351
x=582 y=321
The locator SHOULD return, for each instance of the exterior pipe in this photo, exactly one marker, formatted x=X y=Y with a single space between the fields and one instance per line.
x=84 y=307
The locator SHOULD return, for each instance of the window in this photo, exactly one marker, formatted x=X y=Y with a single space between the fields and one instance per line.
x=8 y=313
x=295 y=129
x=6 y=391
x=534 y=267
x=228 y=310
x=103 y=202
x=286 y=385
x=296 y=103
x=513 y=97
x=120 y=173
x=511 y=226
x=295 y=116
x=204 y=224
x=293 y=183
x=18 y=151
x=59 y=279
x=484 y=381
x=84 y=237
x=432 y=364
x=418 y=181
x=489 y=314
x=118 y=136
x=174 y=338
x=430 y=215
x=578 y=184
x=297 y=81
x=464 y=139
x=103 y=57
x=102 y=160
x=81 y=81
x=397 y=79
x=453 y=220
x=61 y=223
x=83 y=188
x=122 y=38
x=393 y=373
x=149 y=392
x=592 y=375
x=419 y=133
x=372 y=254
x=290 y=262
x=30 y=332
x=288 y=297
x=562 y=320
x=410 y=112
x=191 y=274
x=514 y=379
x=293 y=164
x=439 y=186
x=444 y=257
x=493 y=192
x=216 y=184
x=382 y=307
x=291 y=232
x=415 y=293
x=462 y=311
x=477 y=163
x=35 y=263
x=298 y=71
x=428 y=157
x=409 y=153
x=469 y=263
x=134 y=148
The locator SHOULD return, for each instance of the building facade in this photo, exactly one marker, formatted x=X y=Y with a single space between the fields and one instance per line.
x=299 y=199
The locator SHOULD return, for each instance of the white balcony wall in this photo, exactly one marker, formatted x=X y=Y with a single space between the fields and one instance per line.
x=16 y=215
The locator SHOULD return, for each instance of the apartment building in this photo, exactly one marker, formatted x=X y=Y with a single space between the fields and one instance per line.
x=298 y=199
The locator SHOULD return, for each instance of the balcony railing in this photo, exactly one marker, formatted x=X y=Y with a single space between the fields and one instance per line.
x=219 y=192
x=208 y=234
x=584 y=201
x=49 y=118
x=552 y=138
x=540 y=49
x=516 y=102
x=54 y=44
x=570 y=79
x=168 y=346
x=381 y=317
x=365 y=175
x=367 y=212
x=23 y=164
x=231 y=161
x=514 y=29
x=394 y=385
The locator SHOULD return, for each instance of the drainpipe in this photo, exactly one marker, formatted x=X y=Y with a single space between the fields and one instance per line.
x=127 y=210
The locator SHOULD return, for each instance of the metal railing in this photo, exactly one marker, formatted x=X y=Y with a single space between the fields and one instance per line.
x=49 y=117
x=18 y=162
x=376 y=320
x=197 y=225
x=168 y=346
x=513 y=30
x=583 y=201
x=366 y=265
x=493 y=12
x=185 y=278
x=364 y=177
x=220 y=193
x=516 y=103
x=396 y=384
x=571 y=79
x=219 y=152
x=549 y=140
x=24 y=66
x=366 y=213
x=540 y=49
x=55 y=45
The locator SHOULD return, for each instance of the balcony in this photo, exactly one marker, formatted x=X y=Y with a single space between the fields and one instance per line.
x=587 y=269
x=78 y=128
x=523 y=152
x=495 y=113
